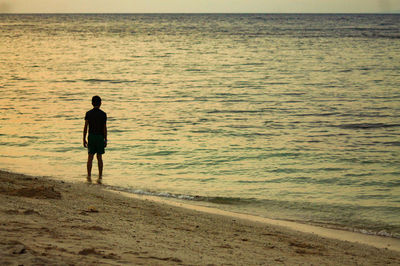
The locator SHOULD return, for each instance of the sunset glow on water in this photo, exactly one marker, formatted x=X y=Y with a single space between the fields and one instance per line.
x=283 y=116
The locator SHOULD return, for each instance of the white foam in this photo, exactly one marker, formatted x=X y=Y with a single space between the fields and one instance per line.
x=378 y=241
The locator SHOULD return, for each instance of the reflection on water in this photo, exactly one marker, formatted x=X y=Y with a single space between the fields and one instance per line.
x=297 y=116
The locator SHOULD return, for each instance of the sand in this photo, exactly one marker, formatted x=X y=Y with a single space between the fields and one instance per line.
x=51 y=222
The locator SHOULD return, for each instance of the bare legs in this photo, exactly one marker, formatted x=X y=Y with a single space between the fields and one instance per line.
x=100 y=165
x=89 y=167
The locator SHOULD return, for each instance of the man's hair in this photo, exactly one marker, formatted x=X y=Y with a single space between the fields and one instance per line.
x=96 y=100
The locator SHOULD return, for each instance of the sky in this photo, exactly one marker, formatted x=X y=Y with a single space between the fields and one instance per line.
x=199 y=6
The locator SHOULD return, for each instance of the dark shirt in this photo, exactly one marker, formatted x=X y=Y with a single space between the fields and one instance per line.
x=97 y=119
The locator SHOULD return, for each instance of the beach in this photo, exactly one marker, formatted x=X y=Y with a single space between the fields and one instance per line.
x=53 y=222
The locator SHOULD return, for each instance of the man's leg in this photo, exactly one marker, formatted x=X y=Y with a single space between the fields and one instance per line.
x=89 y=167
x=100 y=165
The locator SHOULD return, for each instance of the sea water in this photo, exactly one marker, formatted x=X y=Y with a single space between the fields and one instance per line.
x=284 y=116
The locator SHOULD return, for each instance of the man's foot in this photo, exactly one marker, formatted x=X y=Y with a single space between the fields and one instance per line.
x=89 y=179
x=99 y=181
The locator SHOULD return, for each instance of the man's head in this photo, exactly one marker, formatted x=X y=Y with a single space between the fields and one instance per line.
x=96 y=101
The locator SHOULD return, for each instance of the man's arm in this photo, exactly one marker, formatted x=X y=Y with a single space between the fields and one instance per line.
x=85 y=133
x=105 y=135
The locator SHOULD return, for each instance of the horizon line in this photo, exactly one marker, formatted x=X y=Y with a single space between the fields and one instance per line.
x=200 y=13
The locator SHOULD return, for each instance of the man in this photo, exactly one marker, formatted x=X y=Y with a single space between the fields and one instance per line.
x=96 y=119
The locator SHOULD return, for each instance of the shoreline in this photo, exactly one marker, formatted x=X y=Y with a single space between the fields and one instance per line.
x=48 y=221
x=308 y=227
x=338 y=234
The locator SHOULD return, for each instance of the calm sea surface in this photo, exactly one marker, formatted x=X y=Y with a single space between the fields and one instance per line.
x=283 y=116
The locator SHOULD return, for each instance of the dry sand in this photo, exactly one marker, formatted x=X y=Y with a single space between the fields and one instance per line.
x=49 y=222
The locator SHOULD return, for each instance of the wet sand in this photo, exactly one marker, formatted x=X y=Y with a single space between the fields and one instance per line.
x=45 y=221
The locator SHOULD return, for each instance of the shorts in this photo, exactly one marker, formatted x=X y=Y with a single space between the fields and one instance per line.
x=95 y=144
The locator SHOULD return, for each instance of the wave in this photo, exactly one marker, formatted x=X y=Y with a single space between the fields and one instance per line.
x=392 y=143
x=158 y=153
x=346 y=217
x=108 y=80
x=233 y=111
x=367 y=126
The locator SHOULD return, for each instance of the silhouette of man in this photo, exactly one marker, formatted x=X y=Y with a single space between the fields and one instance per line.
x=96 y=119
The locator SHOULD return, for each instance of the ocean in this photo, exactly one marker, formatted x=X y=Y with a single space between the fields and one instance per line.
x=285 y=116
